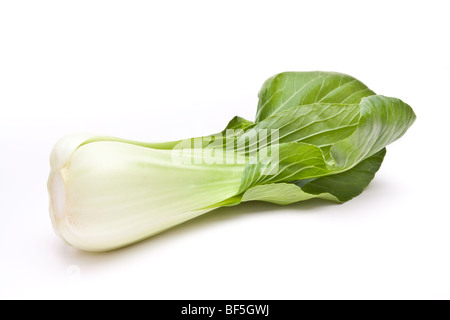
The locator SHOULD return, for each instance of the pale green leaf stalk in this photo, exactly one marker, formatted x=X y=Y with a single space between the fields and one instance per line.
x=324 y=137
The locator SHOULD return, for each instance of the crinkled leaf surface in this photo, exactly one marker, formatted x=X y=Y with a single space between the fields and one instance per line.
x=291 y=89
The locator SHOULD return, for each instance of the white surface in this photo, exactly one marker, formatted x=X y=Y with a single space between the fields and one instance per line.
x=163 y=70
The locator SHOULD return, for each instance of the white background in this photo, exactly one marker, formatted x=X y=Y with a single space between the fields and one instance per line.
x=163 y=70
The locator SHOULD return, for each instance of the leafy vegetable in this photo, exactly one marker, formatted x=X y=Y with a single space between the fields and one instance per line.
x=316 y=135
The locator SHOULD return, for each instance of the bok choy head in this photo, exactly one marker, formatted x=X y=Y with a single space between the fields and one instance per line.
x=316 y=135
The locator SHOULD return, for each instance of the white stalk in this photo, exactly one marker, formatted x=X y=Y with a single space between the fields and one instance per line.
x=108 y=194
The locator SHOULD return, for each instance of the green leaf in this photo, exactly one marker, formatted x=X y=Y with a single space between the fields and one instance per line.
x=281 y=193
x=340 y=187
x=319 y=124
x=239 y=123
x=294 y=160
x=291 y=89
x=382 y=120
x=346 y=185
